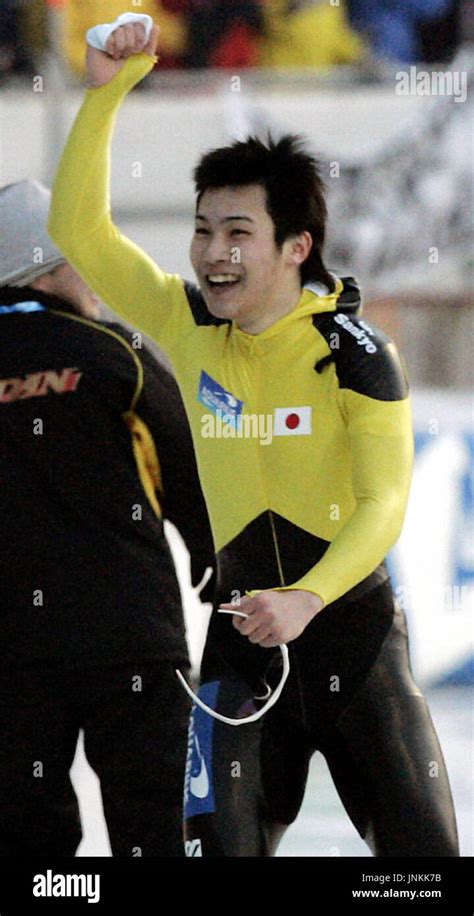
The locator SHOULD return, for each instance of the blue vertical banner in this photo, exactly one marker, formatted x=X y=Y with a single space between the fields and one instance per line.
x=199 y=778
x=432 y=565
x=463 y=560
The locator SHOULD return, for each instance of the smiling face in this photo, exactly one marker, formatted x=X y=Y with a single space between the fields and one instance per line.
x=242 y=273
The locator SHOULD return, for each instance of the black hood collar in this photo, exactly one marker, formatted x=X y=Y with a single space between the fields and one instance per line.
x=13 y=295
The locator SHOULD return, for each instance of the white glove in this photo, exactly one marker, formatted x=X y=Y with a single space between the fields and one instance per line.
x=99 y=35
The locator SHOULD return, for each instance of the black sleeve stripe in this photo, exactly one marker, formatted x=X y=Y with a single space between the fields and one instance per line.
x=366 y=360
x=198 y=306
x=322 y=363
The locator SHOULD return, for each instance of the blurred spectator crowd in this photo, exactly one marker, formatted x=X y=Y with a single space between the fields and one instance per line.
x=236 y=34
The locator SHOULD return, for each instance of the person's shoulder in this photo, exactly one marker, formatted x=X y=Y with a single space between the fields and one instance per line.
x=366 y=359
x=141 y=349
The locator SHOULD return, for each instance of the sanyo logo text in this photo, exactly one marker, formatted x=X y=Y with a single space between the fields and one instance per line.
x=49 y=885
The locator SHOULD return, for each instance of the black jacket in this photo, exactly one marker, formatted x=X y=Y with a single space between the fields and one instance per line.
x=86 y=574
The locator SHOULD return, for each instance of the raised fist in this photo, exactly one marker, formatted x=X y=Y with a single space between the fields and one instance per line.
x=126 y=40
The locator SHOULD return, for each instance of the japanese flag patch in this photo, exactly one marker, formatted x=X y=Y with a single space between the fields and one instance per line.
x=292 y=421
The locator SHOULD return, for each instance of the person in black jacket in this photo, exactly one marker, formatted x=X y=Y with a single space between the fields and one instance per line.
x=95 y=452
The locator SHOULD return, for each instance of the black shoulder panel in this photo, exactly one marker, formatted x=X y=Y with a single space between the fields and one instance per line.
x=350 y=298
x=198 y=306
x=366 y=360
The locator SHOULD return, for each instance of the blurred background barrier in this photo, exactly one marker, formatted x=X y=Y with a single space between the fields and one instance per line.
x=432 y=566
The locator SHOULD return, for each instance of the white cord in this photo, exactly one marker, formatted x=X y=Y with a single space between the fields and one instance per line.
x=256 y=715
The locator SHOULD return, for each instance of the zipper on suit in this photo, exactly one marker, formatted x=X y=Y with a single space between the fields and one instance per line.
x=256 y=364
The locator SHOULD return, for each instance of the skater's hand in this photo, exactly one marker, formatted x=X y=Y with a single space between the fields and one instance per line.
x=129 y=39
x=275 y=617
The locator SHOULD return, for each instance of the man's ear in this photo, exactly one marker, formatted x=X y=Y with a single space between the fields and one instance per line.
x=300 y=247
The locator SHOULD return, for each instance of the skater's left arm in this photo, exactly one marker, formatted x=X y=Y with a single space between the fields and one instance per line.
x=382 y=459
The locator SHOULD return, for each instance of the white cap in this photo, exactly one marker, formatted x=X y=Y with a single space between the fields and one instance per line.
x=26 y=250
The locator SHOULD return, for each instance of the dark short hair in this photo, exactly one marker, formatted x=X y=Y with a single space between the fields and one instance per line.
x=291 y=178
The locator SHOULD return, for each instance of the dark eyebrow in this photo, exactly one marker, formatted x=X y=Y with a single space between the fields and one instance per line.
x=227 y=219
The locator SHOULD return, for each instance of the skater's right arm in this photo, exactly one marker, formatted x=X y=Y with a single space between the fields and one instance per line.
x=80 y=220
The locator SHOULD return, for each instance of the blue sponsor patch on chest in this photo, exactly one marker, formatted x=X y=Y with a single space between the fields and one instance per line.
x=219 y=401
